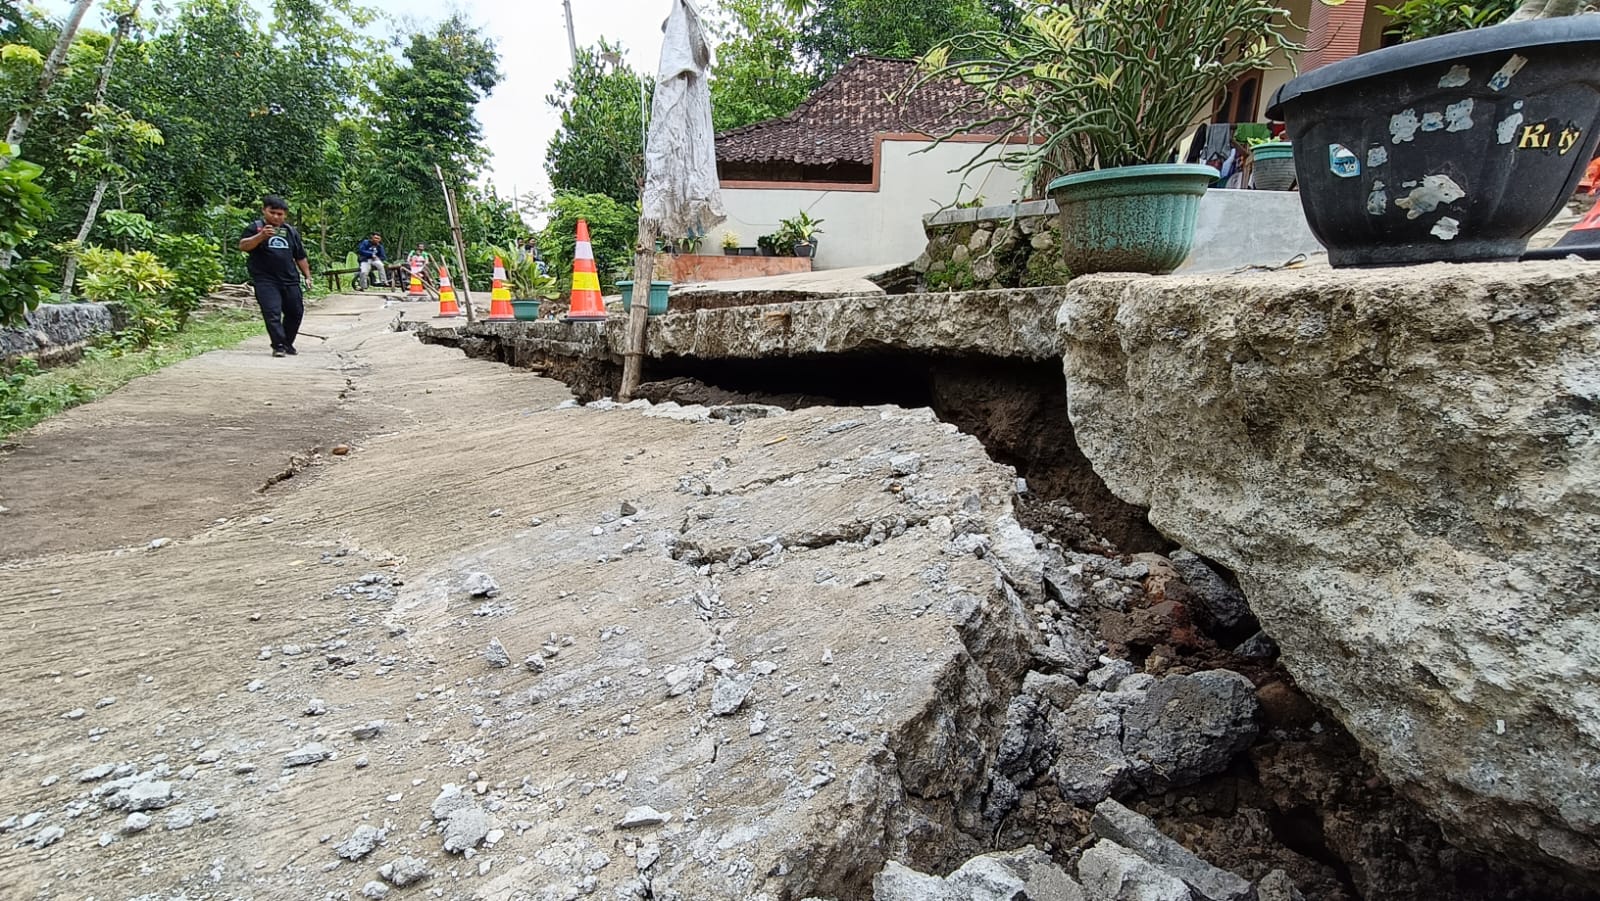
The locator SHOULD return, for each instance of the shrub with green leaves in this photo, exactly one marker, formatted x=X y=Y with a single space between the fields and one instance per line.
x=1417 y=19
x=613 y=227
x=196 y=265
x=131 y=230
x=139 y=283
x=21 y=400
x=23 y=210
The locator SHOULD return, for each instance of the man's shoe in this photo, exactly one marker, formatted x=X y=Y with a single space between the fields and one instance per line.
x=291 y=351
x=277 y=352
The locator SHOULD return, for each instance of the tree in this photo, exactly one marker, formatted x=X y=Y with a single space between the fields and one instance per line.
x=905 y=29
x=613 y=226
x=599 y=148
x=757 y=74
x=47 y=76
x=428 y=117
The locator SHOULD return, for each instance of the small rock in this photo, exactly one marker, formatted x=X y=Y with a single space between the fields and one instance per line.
x=480 y=585
x=758 y=723
x=405 y=871
x=642 y=816
x=1110 y=872
x=47 y=836
x=368 y=731
x=495 y=655
x=1129 y=830
x=136 y=822
x=160 y=543
x=208 y=756
x=465 y=829
x=729 y=694
x=628 y=509
x=254 y=685
x=96 y=773
x=361 y=842
x=496 y=513
x=340 y=450
x=306 y=755
x=316 y=707
x=76 y=713
x=1276 y=886
x=105 y=702
x=375 y=890
x=149 y=795
x=534 y=663
x=180 y=819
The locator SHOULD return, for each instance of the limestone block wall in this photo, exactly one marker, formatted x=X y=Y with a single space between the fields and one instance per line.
x=56 y=330
x=1013 y=246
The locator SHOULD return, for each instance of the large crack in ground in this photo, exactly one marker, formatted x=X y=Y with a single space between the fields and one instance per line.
x=1027 y=733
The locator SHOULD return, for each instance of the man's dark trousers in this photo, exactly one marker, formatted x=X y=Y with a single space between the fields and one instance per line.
x=282 y=306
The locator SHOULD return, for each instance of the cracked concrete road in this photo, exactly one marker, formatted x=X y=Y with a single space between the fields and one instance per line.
x=825 y=581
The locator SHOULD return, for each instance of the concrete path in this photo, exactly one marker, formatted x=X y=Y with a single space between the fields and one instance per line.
x=761 y=630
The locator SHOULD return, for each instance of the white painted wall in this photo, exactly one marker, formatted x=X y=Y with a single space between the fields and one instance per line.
x=867 y=228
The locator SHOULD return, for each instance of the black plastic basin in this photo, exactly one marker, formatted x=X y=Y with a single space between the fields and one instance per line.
x=1453 y=148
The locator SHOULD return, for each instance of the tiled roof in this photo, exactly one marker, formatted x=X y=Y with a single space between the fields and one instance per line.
x=837 y=122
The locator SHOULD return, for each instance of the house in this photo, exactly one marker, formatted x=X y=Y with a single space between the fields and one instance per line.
x=860 y=157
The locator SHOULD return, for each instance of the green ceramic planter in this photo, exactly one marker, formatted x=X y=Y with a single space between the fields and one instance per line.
x=658 y=297
x=1130 y=218
x=526 y=310
x=1274 y=165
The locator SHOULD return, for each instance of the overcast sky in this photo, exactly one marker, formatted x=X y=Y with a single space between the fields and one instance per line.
x=532 y=37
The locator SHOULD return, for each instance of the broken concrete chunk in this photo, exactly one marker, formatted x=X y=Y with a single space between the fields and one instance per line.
x=480 y=585
x=136 y=822
x=148 y=795
x=1136 y=833
x=316 y=707
x=1006 y=875
x=47 y=836
x=897 y=882
x=1223 y=604
x=361 y=842
x=306 y=755
x=375 y=890
x=642 y=816
x=368 y=731
x=450 y=799
x=495 y=655
x=405 y=871
x=1110 y=872
x=1276 y=886
x=465 y=829
x=729 y=694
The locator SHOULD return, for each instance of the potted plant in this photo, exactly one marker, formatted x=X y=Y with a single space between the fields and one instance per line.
x=768 y=245
x=529 y=287
x=1452 y=147
x=1098 y=93
x=799 y=234
x=657 y=299
x=730 y=244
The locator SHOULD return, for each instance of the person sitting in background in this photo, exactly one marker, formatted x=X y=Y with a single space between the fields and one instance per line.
x=371 y=258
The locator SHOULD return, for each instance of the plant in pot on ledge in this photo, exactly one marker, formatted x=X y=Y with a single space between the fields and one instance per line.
x=1101 y=92
x=730 y=244
x=798 y=234
x=1452 y=147
x=529 y=287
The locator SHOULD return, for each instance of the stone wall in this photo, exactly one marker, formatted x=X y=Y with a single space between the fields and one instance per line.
x=56 y=331
x=1012 y=246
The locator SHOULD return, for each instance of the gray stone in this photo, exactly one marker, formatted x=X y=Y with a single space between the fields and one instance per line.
x=1259 y=646
x=96 y=773
x=495 y=655
x=1110 y=872
x=729 y=694
x=465 y=829
x=180 y=819
x=361 y=842
x=1223 y=603
x=55 y=331
x=1437 y=426
x=47 y=836
x=136 y=822
x=148 y=795
x=1106 y=676
x=642 y=816
x=1026 y=873
x=1136 y=833
x=449 y=800
x=375 y=890
x=367 y=731
x=1276 y=886
x=1189 y=727
x=480 y=585
x=306 y=755
x=405 y=871
x=316 y=707
x=897 y=882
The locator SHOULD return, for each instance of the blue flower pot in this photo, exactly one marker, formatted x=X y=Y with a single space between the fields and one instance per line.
x=658 y=297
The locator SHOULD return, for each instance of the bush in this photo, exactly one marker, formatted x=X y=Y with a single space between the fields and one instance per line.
x=23 y=209
x=613 y=227
x=22 y=402
x=137 y=281
x=132 y=230
x=196 y=264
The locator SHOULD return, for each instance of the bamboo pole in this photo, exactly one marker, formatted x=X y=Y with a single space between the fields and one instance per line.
x=461 y=246
x=644 y=270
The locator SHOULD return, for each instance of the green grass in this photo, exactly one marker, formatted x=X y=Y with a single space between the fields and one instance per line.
x=29 y=395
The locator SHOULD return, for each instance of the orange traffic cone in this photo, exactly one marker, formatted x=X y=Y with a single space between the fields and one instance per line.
x=585 y=302
x=447 y=296
x=415 y=292
x=499 y=297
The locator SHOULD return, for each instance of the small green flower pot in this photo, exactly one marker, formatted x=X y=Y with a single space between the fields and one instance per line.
x=526 y=310
x=1130 y=218
x=1273 y=165
x=658 y=297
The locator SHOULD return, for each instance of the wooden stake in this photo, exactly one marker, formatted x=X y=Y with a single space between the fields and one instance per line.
x=644 y=271
x=461 y=247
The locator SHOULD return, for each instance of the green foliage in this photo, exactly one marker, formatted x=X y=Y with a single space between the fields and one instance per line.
x=800 y=229
x=840 y=29
x=139 y=283
x=114 y=141
x=23 y=211
x=1093 y=83
x=1417 y=19
x=131 y=230
x=196 y=264
x=527 y=283
x=613 y=227
x=24 y=400
x=599 y=148
x=757 y=75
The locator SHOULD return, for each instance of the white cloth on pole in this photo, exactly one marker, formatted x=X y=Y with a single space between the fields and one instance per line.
x=681 y=191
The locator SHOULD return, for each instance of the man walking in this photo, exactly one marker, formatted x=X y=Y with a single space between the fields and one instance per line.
x=275 y=253
x=371 y=257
